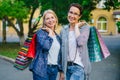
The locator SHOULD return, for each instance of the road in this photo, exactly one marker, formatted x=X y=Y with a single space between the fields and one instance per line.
x=107 y=69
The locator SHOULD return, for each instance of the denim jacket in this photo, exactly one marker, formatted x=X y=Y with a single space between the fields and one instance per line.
x=43 y=44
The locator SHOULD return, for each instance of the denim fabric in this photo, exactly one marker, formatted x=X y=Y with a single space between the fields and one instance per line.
x=75 y=72
x=37 y=77
x=51 y=74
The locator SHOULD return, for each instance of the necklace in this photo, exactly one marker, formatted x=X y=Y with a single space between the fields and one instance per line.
x=71 y=36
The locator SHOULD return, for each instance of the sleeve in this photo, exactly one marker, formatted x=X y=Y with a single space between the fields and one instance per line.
x=60 y=59
x=83 y=37
x=43 y=40
x=60 y=62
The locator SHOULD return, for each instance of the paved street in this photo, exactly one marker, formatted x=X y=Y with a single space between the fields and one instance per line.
x=8 y=72
x=108 y=69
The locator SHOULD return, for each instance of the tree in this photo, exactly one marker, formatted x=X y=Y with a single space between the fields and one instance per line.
x=32 y=5
x=61 y=8
x=19 y=10
x=4 y=31
x=112 y=4
x=12 y=10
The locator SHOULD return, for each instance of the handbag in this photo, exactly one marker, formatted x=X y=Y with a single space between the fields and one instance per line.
x=26 y=53
x=94 y=48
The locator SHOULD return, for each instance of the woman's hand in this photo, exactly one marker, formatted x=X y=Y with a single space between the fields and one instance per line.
x=50 y=31
x=80 y=24
x=47 y=29
x=77 y=27
x=61 y=76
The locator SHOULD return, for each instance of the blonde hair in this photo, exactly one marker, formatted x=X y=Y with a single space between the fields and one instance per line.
x=47 y=12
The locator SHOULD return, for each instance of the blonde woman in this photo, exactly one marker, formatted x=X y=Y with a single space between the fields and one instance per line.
x=46 y=63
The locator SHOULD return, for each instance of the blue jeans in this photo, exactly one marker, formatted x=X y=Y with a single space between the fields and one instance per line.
x=75 y=72
x=51 y=74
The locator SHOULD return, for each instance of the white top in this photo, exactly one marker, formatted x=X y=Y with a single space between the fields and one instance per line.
x=53 y=52
x=73 y=53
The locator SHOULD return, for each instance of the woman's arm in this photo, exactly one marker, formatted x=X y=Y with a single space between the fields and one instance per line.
x=43 y=40
x=83 y=35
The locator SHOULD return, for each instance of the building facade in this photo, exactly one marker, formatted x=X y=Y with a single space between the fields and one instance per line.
x=104 y=20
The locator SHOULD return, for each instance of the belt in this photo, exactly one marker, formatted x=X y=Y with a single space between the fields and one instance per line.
x=71 y=64
x=51 y=65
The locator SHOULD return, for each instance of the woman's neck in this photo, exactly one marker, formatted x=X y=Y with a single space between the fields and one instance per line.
x=72 y=26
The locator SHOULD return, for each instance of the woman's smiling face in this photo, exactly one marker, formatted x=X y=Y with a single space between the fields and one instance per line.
x=50 y=20
x=73 y=15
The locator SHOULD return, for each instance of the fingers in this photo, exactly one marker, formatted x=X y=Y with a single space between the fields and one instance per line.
x=80 y=24
x=61 y=76
x=82 y=21
x=45 y=28
x=48 y=30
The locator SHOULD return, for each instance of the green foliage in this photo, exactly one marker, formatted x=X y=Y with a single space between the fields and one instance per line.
x=14 y=9
x=61 y=7
x=31 y=3
x=118 y=24
x=112 y=4
x=19 y=10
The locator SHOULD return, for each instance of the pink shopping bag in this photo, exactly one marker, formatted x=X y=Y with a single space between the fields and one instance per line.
x=104 y=48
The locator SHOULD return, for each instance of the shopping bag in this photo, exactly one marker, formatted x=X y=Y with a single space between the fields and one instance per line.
x=104 y=48
x=26 y=53
x=32 y=47
x=94 y=49
x=96 y=46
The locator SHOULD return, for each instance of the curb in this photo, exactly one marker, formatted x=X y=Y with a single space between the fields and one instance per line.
x=7 y=59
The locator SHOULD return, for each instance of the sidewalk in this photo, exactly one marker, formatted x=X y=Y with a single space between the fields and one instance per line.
x=7 y=59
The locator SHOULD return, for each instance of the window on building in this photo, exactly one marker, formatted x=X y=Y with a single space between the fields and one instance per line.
x=101 y=4
x=102 y=24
